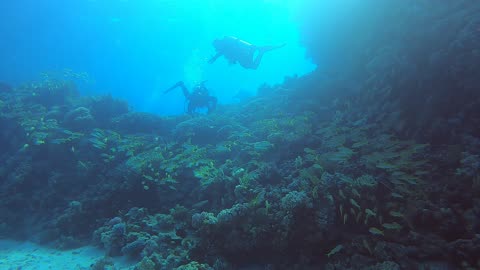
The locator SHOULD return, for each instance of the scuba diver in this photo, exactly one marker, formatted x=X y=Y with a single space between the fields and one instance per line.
x=238 y=51
x=198 y=98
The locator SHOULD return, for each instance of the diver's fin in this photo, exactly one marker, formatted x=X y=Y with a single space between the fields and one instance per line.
x=271 y=48
x=171 y=88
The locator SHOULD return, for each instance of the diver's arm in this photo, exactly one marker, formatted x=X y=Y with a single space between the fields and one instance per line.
x=184 y=89
x=181 y=85
x=214 y=58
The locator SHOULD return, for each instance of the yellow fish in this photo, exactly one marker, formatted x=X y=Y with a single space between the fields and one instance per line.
x=396 y=214
x=334 y=250
x=375 y=231
x=354 y=203
x=392 y=226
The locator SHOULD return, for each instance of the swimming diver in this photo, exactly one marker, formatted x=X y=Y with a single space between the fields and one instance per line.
x=198 y=98
x=238 y=51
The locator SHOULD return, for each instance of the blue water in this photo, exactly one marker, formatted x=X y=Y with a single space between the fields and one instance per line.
x=136 y=49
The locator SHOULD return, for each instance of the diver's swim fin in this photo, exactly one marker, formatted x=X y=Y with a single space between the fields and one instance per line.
x=170 y=89
x=271 y=48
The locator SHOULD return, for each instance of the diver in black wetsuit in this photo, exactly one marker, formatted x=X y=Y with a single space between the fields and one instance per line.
x=198 y=98
x=238 y=51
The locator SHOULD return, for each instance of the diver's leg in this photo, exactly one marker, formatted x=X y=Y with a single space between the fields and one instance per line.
x=261 y=51
x=212 y=104
x=190 y=108
x=256 y=61
x=247 y=57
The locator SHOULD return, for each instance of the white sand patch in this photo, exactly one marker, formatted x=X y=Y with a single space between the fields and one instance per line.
x=16 y=255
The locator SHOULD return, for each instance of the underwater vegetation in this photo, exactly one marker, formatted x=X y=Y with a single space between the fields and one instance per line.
x=308 y=174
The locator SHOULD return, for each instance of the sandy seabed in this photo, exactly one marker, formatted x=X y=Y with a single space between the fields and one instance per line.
x=15 y=255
